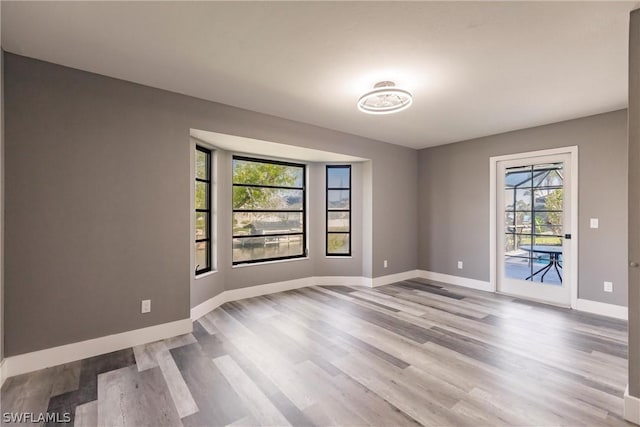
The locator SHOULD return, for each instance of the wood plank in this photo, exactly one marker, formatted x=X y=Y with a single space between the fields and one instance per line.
x=216 y=400
x=67 y=379
x=268 y=387
x=127 y=397
x=86 y=415
x=259 y=406
x=182 y=398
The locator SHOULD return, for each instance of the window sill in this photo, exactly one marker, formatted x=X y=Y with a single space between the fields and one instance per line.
x=277 y=261
x=207 y=274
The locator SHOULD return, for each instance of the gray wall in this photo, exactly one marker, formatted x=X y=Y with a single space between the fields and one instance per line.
x=454 y=200
x=97 y=196
x=634 y=203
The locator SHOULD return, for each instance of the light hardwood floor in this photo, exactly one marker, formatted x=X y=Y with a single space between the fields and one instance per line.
x=410 y=353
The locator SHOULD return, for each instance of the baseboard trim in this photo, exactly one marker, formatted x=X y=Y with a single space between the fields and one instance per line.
x=587 y=306
x=270 y=288
x=631 y=407
x=456 y=280
x=249 y=292
x=209 y=305
x=393 y=278
x=29 y=362
x=343 y=280
x=601 y=308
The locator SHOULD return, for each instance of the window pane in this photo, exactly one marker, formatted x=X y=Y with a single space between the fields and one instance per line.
x=202 y=219
x=522 y=223
x=266 y=198
x=548 y=218
x=517 y=267
x=338 y=199
x=517 y=244
x=202 y=168
x=338 y=177
x=548 y=175
x=252 y=180
x=548 y=241
x=259 y=173
x=202 y=258
x=522 y=199
x=549 y=199
x=202 y=224
x=337 y=221
x=338 y=243
x=252 y=223
x=257 y=248
x=202 y=193
x=552 y=230
x=518 y=177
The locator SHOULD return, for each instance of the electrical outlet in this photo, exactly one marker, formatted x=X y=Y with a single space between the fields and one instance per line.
x=594 y=223
x=145 y=307
x=459 y=265
x=608 y=286
x=386 y=264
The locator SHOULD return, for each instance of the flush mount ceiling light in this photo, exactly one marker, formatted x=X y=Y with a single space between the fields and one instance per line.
x=385 y=98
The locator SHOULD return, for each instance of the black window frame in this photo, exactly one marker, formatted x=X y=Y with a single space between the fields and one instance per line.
x=303 y=211
x=206 y=210
x=327 y=210
x=532 y=210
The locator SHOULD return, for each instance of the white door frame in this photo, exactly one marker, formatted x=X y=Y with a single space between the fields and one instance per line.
x=493 y=217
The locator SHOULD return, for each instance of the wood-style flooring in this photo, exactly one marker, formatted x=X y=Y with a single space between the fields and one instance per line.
x=410 y=353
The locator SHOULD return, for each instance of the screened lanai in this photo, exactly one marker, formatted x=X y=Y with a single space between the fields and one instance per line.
x=533 y=223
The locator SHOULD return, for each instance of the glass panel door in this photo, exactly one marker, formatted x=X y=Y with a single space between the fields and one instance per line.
x=533 y=214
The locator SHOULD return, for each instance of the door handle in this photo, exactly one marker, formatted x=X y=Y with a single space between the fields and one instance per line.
x=634 y=264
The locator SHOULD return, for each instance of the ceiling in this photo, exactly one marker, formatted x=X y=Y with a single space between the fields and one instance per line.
x=475 y=68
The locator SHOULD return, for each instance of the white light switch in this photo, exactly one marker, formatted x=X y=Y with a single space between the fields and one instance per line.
x=608 y=286
x=593 y=223
x=460 y=265
x=145 y=307
x=386 y=264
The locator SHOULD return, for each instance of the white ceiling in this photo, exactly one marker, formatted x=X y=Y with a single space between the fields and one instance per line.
x=475 y=68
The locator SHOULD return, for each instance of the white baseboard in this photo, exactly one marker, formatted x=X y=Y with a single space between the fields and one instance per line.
x=248 y=292
x=603 y=309
x=588 y=306
x=28 y=362
x=3 y=372
x=209 y=305
x=270 y=288
x=631 y=407
x=456 y=280
x=393 y=278
x=343 y=280
x=266 y=289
